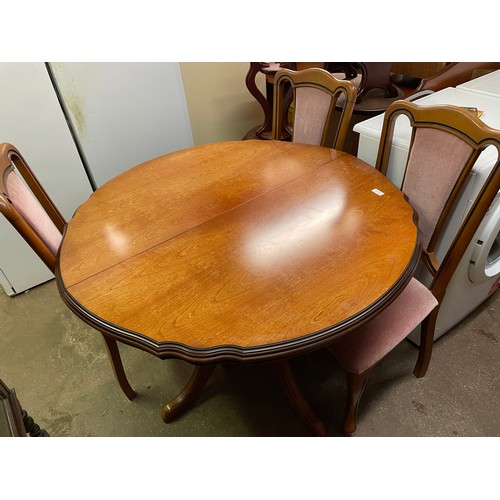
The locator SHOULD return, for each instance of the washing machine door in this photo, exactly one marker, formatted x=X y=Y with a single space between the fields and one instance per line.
x=485 y=259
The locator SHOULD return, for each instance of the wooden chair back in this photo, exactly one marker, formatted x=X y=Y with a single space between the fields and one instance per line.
x=316 y=93
x=445 y=144
x=27 y=206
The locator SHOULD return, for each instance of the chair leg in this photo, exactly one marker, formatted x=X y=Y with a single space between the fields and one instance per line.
x=427 y=329
x=116 y=363
x=355 y=386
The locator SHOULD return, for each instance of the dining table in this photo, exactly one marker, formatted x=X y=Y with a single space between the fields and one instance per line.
x=238 y=252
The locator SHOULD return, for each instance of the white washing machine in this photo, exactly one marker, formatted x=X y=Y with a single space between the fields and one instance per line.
x=477 y=276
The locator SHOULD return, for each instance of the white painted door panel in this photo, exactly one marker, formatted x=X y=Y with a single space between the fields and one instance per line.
x=32 y=120
x=124 y=113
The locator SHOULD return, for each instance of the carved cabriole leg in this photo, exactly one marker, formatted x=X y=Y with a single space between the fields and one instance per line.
x=195 y=384
x=300 y=405
x=116 y=363
x=355 y=386
x=426 y=343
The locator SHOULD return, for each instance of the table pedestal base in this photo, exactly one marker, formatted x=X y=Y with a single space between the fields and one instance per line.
x=195 y=384
x=283 y=372
x=286 y=379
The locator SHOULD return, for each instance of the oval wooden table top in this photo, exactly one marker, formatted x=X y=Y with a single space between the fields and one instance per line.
x=238 y=251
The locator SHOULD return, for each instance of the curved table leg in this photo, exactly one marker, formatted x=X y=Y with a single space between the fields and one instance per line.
x=300 y=405
x=116 y=363
x=195 y=384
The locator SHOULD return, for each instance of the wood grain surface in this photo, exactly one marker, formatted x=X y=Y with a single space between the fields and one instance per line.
x=245 y=251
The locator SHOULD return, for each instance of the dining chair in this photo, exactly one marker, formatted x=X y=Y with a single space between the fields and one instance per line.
x=322 y=106
x=445 y=143
x=28 y=207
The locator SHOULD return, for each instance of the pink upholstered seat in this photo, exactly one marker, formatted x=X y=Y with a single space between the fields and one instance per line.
x=387 y=330
x=318 y=96
x=446 y=141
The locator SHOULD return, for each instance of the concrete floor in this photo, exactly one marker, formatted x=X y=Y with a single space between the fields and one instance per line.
x=62 y=376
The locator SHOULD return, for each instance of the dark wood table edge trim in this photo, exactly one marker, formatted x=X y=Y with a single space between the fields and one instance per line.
x=229 y=353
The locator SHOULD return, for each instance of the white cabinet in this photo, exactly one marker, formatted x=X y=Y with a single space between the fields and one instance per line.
x=487 y=84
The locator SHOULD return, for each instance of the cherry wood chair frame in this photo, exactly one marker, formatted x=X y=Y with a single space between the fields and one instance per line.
x=11 y=159
x=342 y=96
x=477 y=135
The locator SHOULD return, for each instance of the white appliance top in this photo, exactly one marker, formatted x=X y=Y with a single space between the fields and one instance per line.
x=490 y=106
x=487 y=84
